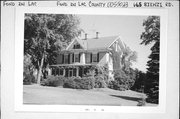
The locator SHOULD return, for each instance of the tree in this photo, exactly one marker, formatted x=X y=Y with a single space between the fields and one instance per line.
x=139 y=81
x=151 y=35
x=28 y=76
x=45 y=35
x=128 y=57
x=124 y=75
x=123 y=80
x=123 y=58
x=28 y=67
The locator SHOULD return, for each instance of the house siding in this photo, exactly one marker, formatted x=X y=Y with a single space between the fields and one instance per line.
x=70 y=58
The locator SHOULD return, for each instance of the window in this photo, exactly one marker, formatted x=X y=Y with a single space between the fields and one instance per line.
x=53 y=71
x=70 y=58
x=57 y=71
x=66 y=59
x=88 y=57
x=101 y=55
x=77 y=46
x=74 y=72
x=76 y=58
x=61 y=71
x=94 y=58
x=60 y=59
x=70 y=72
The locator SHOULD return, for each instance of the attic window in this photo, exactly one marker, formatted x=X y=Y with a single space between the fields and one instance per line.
x=77 y=46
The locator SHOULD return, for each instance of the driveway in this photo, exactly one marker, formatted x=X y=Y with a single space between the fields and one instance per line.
x=35 y=94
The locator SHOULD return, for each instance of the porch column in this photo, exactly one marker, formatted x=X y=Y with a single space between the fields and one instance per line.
x=64 y=72
x=77 y=71
x=49 y=71
x=107 y=58
x=82 y=58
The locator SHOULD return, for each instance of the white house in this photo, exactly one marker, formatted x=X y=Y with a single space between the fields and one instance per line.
x=83 y=53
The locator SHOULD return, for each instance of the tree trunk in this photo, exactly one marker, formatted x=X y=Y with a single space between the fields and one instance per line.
x=39 y=74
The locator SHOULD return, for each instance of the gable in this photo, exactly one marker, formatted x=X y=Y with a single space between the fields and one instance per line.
x=118 y=45
x=77 y=46
x=74 y=45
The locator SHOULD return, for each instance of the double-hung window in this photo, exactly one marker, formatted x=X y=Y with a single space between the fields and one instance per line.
x=66 y=58
x=95 y=57
x=88 y=57
x=76 y=58
x=60 y=59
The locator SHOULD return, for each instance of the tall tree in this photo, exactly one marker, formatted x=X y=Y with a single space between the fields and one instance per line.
x=123 y=57
x=124 y=75
x=139 y=82
x=128 y=57
x=45 y=35
x=151 y=35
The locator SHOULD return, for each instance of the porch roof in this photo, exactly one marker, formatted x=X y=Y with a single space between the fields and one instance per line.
x=74 y=64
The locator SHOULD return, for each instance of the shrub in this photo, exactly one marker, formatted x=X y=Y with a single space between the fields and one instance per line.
x=142 y=101
x=54 y=81
x=61 y=79
x=28 y=79
x=111 y=84
x=70 y=83
x=116 y=85
x=124 y=80
x=79 y=83
x=87 y=83
x=100 y=82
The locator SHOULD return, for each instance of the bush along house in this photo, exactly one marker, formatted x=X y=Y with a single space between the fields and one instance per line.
x=82 y=54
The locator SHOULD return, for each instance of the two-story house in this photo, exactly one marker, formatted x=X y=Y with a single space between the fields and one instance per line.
x=83 y=53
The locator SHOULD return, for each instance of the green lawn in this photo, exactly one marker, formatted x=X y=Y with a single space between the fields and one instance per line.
x=35 y=94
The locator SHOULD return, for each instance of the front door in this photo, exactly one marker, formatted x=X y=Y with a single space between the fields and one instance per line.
x=70 y=73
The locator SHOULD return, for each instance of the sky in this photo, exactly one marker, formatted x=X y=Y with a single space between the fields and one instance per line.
x=128 y=27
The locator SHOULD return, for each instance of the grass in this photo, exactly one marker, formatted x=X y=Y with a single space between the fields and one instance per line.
x=35 y=94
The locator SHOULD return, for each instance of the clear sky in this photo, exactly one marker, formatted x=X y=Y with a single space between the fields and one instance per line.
x=128 y=27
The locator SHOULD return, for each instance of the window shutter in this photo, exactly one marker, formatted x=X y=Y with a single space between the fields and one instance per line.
x=62 y=58
x=91 y=58
x=97 y=57
x=68 y=58
x=73 y=57
x=79 y=57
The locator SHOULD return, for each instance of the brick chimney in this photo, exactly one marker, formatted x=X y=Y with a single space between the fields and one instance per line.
x=85 y=36
x=97 y=33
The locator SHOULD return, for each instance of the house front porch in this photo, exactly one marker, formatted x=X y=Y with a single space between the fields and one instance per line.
x=69 y=70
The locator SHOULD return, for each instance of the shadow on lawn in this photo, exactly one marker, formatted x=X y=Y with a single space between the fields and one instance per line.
x=127 y=97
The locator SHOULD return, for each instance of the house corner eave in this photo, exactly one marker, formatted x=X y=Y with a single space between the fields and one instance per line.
x=118 y=37
x=75 y=40
x=70 y=44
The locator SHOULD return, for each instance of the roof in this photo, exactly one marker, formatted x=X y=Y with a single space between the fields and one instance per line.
x=100 y=43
